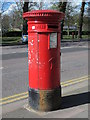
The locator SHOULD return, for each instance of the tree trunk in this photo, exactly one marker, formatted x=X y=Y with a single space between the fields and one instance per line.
x=68 y=29
x=81 y=20
x=41 y=5
x=25 y=26
x=62 y=8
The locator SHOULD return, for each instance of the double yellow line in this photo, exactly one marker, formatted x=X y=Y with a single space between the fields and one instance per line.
x=74 y=81
x=24 y=95
x=13 y=98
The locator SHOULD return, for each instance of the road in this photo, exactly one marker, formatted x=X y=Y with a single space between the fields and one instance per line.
x=14 y=55
x=15 y=68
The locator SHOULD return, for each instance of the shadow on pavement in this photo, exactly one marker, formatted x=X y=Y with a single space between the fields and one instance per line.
x=75 y=100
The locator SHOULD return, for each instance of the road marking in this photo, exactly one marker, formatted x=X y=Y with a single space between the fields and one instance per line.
x=13 y=100
x=74 y=82
x=16 y=95
x=24 y=95
x=76 y=79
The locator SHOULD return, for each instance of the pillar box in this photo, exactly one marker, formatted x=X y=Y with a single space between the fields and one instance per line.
x=44 y=59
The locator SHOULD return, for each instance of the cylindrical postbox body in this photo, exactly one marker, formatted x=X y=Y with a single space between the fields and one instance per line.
x=44 y=59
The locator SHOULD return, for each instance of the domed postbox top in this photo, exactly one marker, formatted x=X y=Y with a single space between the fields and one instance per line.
x=43 y=14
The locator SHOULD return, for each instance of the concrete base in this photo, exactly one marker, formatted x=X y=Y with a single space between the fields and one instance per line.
x=45 y=100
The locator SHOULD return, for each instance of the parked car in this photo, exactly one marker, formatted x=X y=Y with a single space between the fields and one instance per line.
x=25 y=38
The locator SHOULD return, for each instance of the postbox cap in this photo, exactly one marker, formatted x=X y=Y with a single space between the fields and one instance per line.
x=44 y=14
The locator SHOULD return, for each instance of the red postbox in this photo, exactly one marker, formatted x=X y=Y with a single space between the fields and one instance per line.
x=44 y=59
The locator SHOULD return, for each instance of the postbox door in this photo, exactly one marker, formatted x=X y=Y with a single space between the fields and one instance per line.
x=49 y=60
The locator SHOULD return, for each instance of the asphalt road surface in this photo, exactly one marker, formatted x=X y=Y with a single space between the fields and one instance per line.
x=15 y=55
x=74 y=64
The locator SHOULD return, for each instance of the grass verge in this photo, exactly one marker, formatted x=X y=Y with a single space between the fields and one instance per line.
x=10 y=40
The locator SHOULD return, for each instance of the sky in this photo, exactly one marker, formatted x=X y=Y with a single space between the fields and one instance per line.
x=10 y=4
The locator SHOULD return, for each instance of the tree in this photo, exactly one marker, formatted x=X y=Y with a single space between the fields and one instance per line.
x=2 y=6
x=62 y=8
x=25 y=9
x=81 y=19
x=68 y=15
x=55 y=5
x=16 y=20
x=25 y=6
x=29 y=6
x=22 y=6
x=5 y=25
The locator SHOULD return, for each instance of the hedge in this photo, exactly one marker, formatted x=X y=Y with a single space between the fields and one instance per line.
x=13 y=34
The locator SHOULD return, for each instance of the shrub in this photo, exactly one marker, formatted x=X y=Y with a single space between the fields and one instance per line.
x=13 y=34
